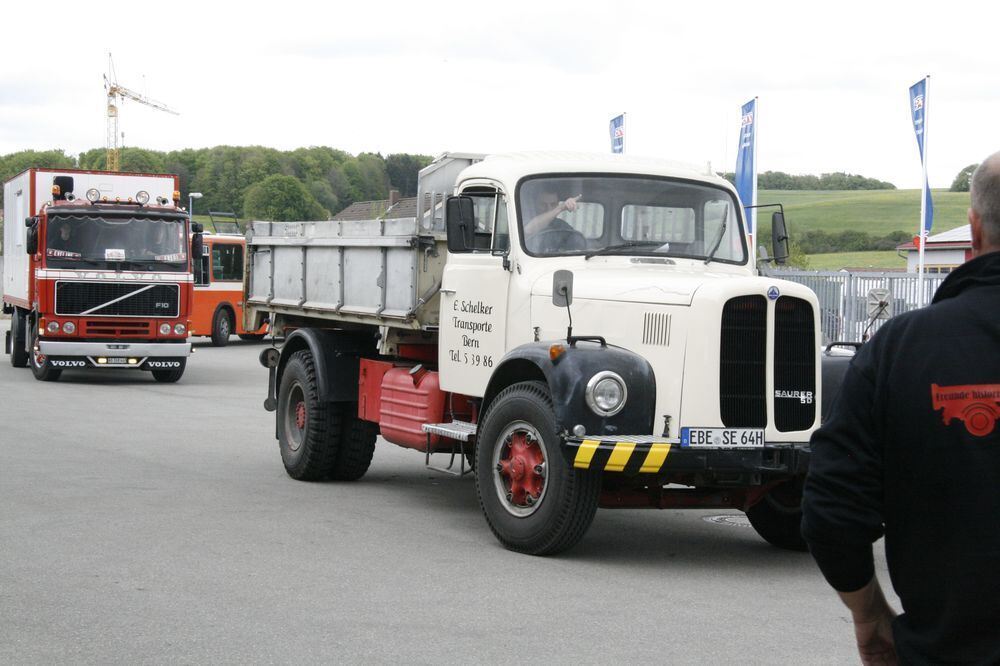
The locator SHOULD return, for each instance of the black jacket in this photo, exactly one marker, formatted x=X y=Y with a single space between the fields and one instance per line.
x=912 y=449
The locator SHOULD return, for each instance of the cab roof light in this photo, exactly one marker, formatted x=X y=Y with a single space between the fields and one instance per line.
x=93 y=194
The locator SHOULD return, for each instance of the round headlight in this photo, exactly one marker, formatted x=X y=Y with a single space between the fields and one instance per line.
x=606 y=393
x=142 y=196
x=179 y=329
x=164 y=329
x=93 y=194
x=69 y=327
x=53 y=327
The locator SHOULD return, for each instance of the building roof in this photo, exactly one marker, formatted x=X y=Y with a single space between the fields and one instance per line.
x=371 y=210
x=959 y=237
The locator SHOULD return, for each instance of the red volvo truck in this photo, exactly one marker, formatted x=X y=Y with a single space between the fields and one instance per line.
x=97 y=272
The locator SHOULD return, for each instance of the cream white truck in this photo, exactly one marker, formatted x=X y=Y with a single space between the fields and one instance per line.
x=586 y=330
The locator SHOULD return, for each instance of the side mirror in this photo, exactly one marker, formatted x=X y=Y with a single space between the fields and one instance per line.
x=779 y=238
x=562 y=289
x=197 y=246
x=197 y=227
x=31 y=242
x=460 y=222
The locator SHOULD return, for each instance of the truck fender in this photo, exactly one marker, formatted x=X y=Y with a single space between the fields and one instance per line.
x=567 y=379
x=336 y=355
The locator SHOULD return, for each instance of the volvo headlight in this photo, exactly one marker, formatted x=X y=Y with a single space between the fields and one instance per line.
x=69 y=328
x=164 y=328
x=606 y=393
x=53 y=327
x=179 y=329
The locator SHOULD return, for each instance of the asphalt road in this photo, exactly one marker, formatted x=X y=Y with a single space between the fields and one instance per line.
x=143 y=522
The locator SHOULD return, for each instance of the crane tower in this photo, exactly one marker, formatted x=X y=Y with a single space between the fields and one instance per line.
x=114 y=91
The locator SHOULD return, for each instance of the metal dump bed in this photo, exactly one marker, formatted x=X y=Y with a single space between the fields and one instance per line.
x=380 y=272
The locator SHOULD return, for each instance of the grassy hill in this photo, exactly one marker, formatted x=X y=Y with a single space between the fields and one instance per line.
x=877 y=212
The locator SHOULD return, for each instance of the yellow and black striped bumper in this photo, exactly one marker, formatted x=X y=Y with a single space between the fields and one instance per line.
x=630 y=455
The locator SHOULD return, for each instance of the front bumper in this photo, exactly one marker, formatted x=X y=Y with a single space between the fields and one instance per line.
x=653 y=455
x=132 y=355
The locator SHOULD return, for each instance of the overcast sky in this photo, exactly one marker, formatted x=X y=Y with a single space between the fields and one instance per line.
x=428 y=77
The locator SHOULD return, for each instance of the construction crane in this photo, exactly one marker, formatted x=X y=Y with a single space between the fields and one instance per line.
x=114 y=91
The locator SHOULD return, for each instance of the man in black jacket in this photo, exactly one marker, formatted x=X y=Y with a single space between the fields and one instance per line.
x=912 y=451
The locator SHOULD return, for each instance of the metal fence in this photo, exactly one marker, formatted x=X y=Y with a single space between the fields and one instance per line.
x=844 y=298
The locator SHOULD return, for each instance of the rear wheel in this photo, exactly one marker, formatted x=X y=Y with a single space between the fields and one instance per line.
x=533 y=500
x=356 y=446
x=778 y=517
x=170 y=376
x=41 y=367
x=308 y=430
x=18 y=326
x=222 y=327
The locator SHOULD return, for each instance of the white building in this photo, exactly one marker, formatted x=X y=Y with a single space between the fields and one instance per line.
x=944 y=252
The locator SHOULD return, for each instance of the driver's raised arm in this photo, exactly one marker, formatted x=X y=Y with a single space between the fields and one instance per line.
x=542 y=220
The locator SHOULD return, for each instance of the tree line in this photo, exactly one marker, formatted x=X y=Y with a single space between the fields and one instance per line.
x=779 y=180
x=254 y=181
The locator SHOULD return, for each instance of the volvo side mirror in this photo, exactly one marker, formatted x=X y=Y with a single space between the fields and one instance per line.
x=779 y=238
x=197 y=246
x=460 y=222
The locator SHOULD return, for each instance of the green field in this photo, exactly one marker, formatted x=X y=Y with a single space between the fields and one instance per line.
x=877 y=212
x=856 y=260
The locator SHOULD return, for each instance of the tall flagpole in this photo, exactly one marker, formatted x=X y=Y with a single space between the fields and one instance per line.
x=921 y=300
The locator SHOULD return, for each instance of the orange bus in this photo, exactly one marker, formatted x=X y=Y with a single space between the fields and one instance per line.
x=218 y=291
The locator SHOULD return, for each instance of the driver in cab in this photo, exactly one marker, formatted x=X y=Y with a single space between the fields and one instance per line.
x=546 y=232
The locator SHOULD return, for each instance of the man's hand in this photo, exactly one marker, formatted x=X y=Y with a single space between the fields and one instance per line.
x=873 y=618
x=570 y=204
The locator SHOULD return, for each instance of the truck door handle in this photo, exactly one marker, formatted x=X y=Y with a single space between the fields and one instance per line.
x=447 y=291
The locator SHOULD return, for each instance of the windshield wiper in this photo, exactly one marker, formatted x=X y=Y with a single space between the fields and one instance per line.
x=621 y=246
x=722 y=232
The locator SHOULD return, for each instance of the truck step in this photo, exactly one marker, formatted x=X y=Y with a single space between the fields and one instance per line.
x=459 y=432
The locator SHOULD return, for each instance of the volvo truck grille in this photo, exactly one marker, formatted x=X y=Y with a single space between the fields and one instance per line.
x=794 y=364
x=117 y=299
x=743 y=363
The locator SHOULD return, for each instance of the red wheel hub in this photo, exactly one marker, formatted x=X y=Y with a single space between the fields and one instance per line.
x=300 y=415
x=521 y=467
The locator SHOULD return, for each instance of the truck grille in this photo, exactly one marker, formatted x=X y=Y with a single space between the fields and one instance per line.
x=743 y=358
x=794 y=364
x=117 y=299
x=112 y=328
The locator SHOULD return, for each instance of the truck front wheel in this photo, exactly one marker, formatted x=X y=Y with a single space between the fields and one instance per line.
x=18 y=325
x=41 y=367
x=778 y=516
x=308 y=430
x=533 y=500
x=170 y=376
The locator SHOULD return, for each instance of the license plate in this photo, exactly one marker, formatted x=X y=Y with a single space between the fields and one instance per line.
x=722 y=438
x=117 y=360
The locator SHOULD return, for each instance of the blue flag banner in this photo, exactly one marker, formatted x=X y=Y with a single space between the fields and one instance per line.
x=746 y=163
x=918 y=113
x=618 y=134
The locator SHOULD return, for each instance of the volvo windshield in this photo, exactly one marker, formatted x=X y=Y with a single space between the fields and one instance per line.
x=629 y=215
x=116 y=242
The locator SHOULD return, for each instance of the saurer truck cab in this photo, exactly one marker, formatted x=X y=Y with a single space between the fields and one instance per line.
x=587 y=330
x=97 y=272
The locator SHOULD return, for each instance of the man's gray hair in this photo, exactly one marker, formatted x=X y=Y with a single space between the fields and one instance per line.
x=985 y=192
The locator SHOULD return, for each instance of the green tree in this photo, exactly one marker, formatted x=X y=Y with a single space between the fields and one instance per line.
x=282 y=198
x=15 y=163
x=963 y=179
x=402 y=170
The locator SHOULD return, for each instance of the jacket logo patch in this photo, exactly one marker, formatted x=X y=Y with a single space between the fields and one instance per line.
x=977 y=405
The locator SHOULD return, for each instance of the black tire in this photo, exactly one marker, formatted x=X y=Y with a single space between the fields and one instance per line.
x=170 y=376
x=252 y=337
x=567 y=498
x=41 y=368
x=356 y=446
x=18 y=351
x=778 y=517
x=222 y=327
x=309 y=431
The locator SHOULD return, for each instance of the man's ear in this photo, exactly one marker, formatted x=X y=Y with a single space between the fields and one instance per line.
x=976 y=225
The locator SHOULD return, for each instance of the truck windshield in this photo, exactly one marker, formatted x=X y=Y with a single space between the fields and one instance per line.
x=130 y=243
x=629 y=215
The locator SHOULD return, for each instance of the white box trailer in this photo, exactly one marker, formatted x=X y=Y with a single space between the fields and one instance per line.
x=26 y=193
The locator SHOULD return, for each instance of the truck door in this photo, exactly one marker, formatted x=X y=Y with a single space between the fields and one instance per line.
x=474 y=298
